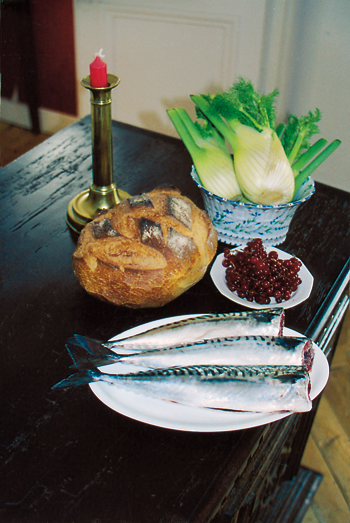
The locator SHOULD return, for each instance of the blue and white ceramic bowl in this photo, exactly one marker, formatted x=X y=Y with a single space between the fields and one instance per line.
x=236 y=223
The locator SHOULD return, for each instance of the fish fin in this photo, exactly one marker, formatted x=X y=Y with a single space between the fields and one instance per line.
x=81 y=358
x=86 y=350
x=79 y=378
x=95 y=347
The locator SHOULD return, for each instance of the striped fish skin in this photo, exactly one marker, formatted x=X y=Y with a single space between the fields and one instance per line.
x=238 y=388
x=269 y=322
x=240 y=350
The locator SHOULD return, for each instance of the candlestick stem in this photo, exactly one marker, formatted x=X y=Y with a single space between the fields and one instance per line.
x=103 y=193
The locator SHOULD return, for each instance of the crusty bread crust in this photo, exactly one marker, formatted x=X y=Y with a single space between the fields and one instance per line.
x=146 y=251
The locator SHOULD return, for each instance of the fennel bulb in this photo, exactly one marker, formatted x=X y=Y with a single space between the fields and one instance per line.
x=262 y=169
x=216 y=173
x=261 y=166
x=210 y=156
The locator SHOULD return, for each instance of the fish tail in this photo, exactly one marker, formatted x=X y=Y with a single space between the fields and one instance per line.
x=82 y=377
x=84 y=350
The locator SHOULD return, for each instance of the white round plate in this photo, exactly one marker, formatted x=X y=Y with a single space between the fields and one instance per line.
x=179 y=417
x=217 y=274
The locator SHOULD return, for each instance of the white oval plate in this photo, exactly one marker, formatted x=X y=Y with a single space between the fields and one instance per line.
x=217 y=274
x=179 y=417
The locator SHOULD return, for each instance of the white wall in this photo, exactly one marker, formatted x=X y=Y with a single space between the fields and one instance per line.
x=319 y=76
x=165 y=50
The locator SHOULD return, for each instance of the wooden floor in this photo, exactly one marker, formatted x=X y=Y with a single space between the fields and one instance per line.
x=15 y=141
x=328 y=448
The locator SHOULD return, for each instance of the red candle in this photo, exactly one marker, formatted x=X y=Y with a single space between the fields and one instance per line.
x=98 y=73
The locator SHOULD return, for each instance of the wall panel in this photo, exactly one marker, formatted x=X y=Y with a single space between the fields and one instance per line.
x=161 y=60
x=163 y=52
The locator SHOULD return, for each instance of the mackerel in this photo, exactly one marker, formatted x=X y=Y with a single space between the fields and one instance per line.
x=236 y=388
x=268 y=322
x=238 y=350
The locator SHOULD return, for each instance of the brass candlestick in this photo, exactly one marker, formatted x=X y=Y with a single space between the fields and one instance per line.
x=103 y=193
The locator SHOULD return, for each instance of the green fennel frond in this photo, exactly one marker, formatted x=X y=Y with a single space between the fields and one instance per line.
x=243 y=103
x=290 y=133
x=297 y=134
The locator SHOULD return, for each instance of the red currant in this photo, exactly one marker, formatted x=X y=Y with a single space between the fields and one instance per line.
x=257 y=276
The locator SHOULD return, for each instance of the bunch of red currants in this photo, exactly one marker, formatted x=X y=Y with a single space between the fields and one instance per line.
x=256 y=275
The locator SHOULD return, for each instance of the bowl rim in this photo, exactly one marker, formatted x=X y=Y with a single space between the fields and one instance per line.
x=256 y=205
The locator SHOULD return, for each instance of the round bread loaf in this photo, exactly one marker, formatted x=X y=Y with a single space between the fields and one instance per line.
x=146 y=251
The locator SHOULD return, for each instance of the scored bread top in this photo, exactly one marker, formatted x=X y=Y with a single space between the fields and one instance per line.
x=160 y=237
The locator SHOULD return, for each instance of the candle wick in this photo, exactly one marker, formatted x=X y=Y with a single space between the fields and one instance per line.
x=100 y=54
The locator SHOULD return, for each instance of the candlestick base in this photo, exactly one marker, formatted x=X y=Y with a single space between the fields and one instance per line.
x=88 y=204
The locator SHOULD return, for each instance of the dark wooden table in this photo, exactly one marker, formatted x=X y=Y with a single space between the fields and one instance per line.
x=65 y=456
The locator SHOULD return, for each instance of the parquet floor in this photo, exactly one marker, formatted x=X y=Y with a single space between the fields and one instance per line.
x=328 y=447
